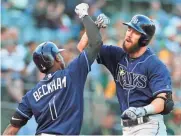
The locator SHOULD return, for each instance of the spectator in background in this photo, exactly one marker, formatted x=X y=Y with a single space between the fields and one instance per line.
x=30 y=72
x=12 y=64
x=53 y=14
x=50 y=14
x=70 y=51
x=4 y=34
x=13 y=35
x=176 y=72
x=31 y=45
x=157 y=13
x=52 y=22
x=176 y=76
x=166 y=57
x=175 y=123
x=95 y=6
x=170 y=41
x=40 y=13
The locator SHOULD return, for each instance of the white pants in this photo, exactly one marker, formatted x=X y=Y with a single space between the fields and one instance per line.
x=154 y=127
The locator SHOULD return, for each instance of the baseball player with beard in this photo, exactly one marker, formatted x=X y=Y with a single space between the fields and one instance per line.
x=143 y=83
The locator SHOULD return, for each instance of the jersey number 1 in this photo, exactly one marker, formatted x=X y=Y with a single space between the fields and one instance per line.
x=53 y=108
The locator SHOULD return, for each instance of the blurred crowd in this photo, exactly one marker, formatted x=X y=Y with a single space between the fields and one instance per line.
x=27 y=23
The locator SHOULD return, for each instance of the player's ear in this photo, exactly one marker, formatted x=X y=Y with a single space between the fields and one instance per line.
x=57 y=57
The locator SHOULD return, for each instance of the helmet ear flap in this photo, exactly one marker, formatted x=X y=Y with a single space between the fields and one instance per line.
x=143 y=41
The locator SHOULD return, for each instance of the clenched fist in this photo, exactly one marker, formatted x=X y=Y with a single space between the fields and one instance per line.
x=82 y=9
x=133 y=113
x=102 y=21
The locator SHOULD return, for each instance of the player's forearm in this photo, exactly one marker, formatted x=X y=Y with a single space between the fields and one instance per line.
x=94 y=38
x=11 y=130
x=83 y=42
x=92 y=31
x=101 y=22
x=156 y=106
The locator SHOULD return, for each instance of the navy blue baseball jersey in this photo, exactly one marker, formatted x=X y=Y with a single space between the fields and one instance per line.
x=138 y=80
x=57 y=100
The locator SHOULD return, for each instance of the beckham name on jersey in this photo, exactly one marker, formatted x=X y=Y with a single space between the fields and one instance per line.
x=52 y=86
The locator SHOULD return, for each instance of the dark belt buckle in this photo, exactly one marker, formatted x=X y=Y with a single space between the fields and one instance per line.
x=130 y=123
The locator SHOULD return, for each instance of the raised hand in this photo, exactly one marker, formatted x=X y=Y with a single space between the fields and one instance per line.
x=82 y=9
x=102 y=21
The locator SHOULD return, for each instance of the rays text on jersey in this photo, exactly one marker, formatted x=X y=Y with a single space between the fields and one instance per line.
x=45 y=89
x=130 y=80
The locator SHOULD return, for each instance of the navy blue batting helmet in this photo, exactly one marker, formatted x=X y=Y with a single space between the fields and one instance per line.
x=45 y=55
x=145 y=26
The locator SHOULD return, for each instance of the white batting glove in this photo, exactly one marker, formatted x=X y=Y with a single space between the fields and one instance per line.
x=102 y=21
x=82 y=9
x=133 y=113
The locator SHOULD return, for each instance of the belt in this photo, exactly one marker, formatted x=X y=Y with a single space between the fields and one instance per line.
x=130 y=123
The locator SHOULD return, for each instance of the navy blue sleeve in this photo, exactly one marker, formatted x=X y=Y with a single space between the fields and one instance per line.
x=24 y=108
x=80 y=66
x=110 y=56
x=159 y=78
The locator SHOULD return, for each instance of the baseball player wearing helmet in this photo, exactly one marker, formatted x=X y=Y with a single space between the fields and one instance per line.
x=143 y=83
x=57 y=100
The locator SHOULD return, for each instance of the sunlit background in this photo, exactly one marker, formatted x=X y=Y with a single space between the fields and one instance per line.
x=26 y=23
